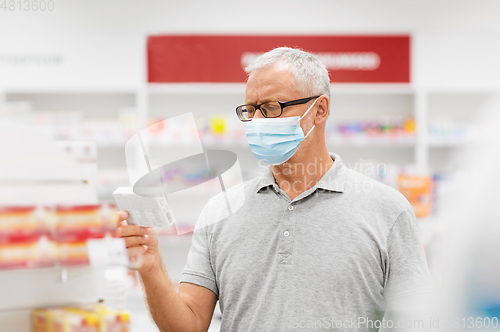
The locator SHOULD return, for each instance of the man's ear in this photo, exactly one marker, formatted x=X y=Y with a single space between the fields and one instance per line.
x=322 y=112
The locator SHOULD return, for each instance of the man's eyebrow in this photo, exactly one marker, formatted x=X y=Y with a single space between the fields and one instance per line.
x=263 y=101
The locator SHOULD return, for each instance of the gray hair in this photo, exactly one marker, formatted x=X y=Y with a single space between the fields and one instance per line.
x=310 y=74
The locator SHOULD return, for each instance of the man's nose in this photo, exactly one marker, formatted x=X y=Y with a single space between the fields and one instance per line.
x=258 y=114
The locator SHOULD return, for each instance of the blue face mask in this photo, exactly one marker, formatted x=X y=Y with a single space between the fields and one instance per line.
x=275 y=140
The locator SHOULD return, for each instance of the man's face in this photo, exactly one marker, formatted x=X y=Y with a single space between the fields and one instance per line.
x=277 y=84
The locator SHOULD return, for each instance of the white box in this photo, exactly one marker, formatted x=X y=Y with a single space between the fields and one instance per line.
x=144 y=211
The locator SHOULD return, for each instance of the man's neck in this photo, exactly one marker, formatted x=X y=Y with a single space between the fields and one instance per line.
x=300 y=175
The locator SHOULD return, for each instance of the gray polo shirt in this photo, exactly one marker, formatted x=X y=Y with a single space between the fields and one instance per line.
x=332 y=258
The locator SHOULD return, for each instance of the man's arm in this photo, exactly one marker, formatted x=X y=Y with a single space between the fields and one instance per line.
x=189 y=310
x=408 y=284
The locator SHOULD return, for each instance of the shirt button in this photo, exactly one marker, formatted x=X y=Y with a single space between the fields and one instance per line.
x=290 y=207
x=286 y=233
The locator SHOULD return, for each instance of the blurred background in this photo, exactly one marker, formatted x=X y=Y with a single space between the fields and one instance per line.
x=415 y=90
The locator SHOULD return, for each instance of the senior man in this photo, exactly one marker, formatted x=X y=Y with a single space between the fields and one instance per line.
x=314 y=246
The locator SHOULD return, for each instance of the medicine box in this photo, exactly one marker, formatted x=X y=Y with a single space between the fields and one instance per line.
x=151 y=211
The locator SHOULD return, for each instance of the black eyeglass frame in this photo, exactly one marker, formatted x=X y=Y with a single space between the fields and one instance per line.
x=282 y=104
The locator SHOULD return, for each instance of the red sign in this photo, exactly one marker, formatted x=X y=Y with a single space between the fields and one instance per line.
x=349 y=59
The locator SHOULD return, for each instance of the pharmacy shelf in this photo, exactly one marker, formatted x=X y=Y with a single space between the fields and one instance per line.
x=243 y=144
x=368 y=141
x=449 y=142
x=23 y=289
x=52 y=172
x=207 y=143
x=361 y=142
x=163 y=100
x=456 y=118
x=149 y=101
x=89 y=104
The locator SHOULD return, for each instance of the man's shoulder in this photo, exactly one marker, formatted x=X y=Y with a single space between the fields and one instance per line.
x=229 y=200
x=235 y=195
x=375 y=193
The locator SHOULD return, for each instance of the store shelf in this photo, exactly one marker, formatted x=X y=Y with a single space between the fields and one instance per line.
x=52 y=168
x=141 y=320
x=87 y=104
x=350 y=103
x=449 y=142
x=243 y=144
x=16 y=320
x=367 y=141
x=30 y=288
x=457 y=118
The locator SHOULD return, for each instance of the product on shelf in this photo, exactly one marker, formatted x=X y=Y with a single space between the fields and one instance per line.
x=128 y=122
x=188 y=175
x=72 y=253
x=409 y=125
x=25 y=239
x=221 y=129
x=110 y=320
x=217 y=129
x=218 y=125
x=33 y=237
x=388 y=130
x=42 y=320
x=444 y=185
x=32 y=254
x=93 y=318
x=75 y=225
x=72 y=321
x=23 y=223
x=448 y=131
x=71 y=125
x=418 y=191
x=447 y=127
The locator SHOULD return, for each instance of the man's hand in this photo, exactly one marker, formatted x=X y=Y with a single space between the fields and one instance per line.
x=189 y=310
x=140 y=241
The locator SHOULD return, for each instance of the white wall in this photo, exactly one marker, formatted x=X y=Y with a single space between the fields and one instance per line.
x=102 y=42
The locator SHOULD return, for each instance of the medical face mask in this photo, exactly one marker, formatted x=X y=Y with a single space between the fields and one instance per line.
x=275 y=140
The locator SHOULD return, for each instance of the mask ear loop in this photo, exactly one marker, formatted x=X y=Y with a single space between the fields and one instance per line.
x=310 y=131
x=305 y=115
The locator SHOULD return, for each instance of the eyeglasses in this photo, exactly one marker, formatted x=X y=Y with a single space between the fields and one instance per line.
x=271 y=109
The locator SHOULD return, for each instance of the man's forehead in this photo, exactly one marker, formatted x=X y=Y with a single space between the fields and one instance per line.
x=270 y=82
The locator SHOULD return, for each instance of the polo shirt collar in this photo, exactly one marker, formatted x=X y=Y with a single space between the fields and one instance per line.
x=333 y=180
